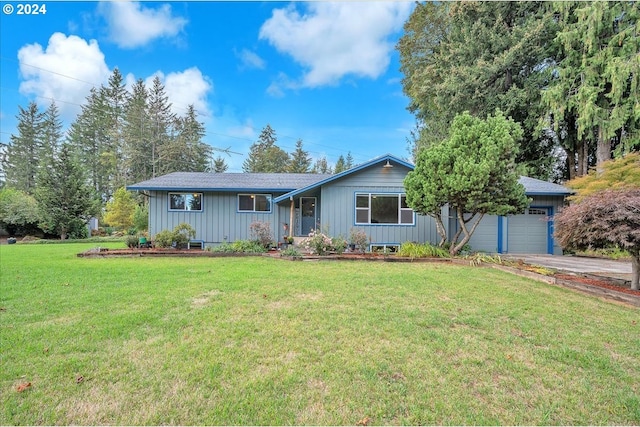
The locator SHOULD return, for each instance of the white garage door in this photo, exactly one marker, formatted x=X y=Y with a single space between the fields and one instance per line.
x=528 y=233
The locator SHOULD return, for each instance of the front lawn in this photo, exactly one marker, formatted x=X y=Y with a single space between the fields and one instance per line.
x=266 y=341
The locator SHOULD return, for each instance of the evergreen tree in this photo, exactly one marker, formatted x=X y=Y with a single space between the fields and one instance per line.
x=89 y=135
x=476 y=57
x=65 y=201
x=137 y=135
x=597 y=84
x=300 y=160
x=349 y=161
x=265 y=155
x=114 y=99
x=185 y=151
x=340 y=166
x=51 y=131
x=473 y=171
x=321 y=166
x=219 y=165
x=161 y=121
x=23 y=154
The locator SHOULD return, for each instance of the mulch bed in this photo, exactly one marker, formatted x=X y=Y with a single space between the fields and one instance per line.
x=601 y=283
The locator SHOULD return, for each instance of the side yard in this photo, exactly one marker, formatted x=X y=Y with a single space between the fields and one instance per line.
x=258 y=341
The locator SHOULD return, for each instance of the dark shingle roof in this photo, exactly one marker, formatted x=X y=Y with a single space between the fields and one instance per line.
x=537 y=187
x=201 y=181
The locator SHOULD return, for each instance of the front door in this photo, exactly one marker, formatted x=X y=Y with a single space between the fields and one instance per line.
x=308 y=211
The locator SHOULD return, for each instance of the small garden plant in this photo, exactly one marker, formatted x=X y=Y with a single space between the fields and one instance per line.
x=260 y=231
x=178 y=238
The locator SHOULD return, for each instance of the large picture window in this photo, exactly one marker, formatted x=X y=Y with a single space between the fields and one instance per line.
x=383 y=208
x=254 y=202
x=185 y=201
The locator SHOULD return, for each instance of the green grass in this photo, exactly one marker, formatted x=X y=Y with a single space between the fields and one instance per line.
x=267 y=341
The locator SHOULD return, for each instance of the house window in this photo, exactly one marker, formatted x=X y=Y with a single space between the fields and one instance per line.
x=385 y=208
x=537 y=211
x=185 y=201
x=254 y=203
x=386 y=248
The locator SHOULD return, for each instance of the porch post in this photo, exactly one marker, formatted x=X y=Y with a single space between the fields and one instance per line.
x=291 y=217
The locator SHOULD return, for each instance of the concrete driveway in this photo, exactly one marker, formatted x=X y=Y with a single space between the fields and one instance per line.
x=575 y=264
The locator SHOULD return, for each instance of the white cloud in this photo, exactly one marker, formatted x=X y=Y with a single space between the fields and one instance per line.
x=249 y=59
x=65 y=71
x=131 y=25
x=183 y=89
x=332 y=40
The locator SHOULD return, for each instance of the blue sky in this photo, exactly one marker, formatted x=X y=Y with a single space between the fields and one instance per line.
x=326 y=73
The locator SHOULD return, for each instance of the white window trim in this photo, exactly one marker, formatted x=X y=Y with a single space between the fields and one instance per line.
x=368 y=209
x=253 y=197
x=182 y=193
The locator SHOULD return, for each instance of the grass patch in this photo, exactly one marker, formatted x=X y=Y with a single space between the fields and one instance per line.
x=259 y=341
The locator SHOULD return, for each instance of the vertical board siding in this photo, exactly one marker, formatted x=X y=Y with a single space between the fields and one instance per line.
x=338 y=207
x=219 y=220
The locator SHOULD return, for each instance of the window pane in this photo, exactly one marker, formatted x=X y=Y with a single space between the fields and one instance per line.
x=403 y=202
x=245 y=202
x=384 y=209
x=406 y=216
x=263 y=203
x=176 y=201
x=362 y=201
x=362 y=216
x=194 y=202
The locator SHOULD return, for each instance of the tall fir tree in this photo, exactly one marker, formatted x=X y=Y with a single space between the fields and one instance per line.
x=300 y=161
x=51 y=131
x=341 y=165
x=476 y=57
x=89 y=136
x=265 y=155
x=321 y=166
x=65 y=200
x=596 y=89
x=349 y=161
x=185 y=151
x=114 y=96
x=23 y=155
x=219 y=165
x=161 y=121
x=137 y=135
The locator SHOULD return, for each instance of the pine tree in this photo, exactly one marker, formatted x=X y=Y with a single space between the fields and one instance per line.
x=161 y=121
x=65 y=201
x=476 y=57
x=24 y=153
x=598 y=75
x=51 y=131
x=321 y=166
x=88 y=136
x=185 y=151
x=265 y=155
x=349 y=162
x=300 y=160
x=340 y=166
x=115 y=98
x=137 y=135
x=219 y=165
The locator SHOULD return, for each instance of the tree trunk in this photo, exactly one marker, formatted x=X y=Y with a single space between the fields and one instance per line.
x=571 y=162
x=603 y=150
x=635 y=272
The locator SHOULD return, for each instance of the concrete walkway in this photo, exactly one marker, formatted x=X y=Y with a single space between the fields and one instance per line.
x=575 y=264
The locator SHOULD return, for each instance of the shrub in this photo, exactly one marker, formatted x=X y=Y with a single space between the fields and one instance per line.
x=182 y=234
x=164 y=239
x=338 y=244
x=239 y=246
x=260 y=231
x=318 y=242
x=131 y=241
x=417 y=250
x=291 y=252
x=359 y=238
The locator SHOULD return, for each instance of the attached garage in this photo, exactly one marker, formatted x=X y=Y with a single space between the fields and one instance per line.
x=530 y=232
